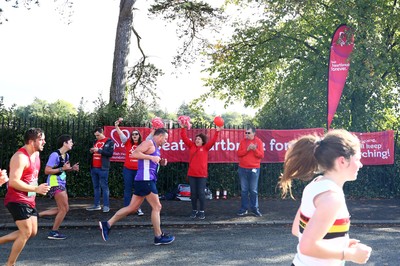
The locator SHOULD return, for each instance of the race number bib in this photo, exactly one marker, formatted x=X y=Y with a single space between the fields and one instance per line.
x=33 y=183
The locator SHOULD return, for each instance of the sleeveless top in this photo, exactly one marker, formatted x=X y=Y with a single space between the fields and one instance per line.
x=56 y=161
x=29 y=176
x=147 y=169
x=338 y=233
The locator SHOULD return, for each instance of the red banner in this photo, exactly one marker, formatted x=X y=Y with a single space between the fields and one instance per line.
x=224 y=150
x=339 y=64
x=377 y=147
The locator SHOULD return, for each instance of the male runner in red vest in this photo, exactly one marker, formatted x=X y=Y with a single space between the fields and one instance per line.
x=21 y=193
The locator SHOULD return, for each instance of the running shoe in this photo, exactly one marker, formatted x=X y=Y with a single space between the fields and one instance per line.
x=94 y=208
x=139 y=212
x=164 y=239
x=257 y=213
x=201 y=215
x=56 y=235
x=106 y=209
x=105 y=229
x=242 y=212
x=194 y=214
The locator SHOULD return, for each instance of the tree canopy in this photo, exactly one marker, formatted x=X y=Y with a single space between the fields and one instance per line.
x=280 y=62
x=277 y=60
x=42 y=108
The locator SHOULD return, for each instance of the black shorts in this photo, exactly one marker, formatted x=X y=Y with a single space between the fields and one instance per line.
x=144 y=188
x=21 y=211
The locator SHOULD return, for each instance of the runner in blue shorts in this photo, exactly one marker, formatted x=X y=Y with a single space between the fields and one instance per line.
x=148 y=155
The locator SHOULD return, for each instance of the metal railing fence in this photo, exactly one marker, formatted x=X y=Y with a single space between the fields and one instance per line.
x=373 y=181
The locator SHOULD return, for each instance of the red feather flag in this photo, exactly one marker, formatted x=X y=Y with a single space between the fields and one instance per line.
x=341 y=47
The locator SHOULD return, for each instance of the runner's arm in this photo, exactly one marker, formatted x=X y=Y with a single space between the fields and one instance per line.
x=17 y=165
x=144 y=150
x=295 y=225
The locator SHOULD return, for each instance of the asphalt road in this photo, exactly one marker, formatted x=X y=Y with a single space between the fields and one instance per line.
x=194 y=245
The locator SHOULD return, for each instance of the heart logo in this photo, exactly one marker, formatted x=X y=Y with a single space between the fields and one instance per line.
x=115 y=137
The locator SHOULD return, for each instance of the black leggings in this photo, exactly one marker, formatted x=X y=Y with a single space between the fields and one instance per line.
x=197 y=192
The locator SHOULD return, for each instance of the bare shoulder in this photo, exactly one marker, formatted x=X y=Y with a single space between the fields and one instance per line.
x=145 y=146
x=19 y=157
x=147 y=143
x=18 y=161
x=329 y=200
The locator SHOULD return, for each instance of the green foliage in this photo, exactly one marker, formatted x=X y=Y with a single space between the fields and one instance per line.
x=61 y=109
x=6 y=112
x=280 y=62
x=236 y=119
x=157 y=112
x=41 y=108
x=81 y=112
x=107 y=114
x=196 y=114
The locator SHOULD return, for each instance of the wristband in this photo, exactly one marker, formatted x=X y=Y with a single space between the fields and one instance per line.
x=343 y=254
x=61 y=170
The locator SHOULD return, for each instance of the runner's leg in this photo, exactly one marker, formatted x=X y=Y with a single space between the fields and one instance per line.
x=155 y=204
x=50 y=212
x=26 y=229
x=63 y=207
x=125 y=211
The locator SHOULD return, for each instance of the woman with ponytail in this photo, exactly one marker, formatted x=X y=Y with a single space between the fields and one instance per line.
x=322 y=222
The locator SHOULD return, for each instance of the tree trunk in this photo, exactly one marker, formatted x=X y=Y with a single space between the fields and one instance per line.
x=121 y=52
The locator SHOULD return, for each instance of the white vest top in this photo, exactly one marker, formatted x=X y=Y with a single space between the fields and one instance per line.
x=337 y=235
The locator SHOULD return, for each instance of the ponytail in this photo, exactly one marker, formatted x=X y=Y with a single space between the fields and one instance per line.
x=311 y=154
x=300 y=163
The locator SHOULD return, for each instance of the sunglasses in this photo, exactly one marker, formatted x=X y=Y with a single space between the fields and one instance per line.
x=135 y=134
x=247 y=133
